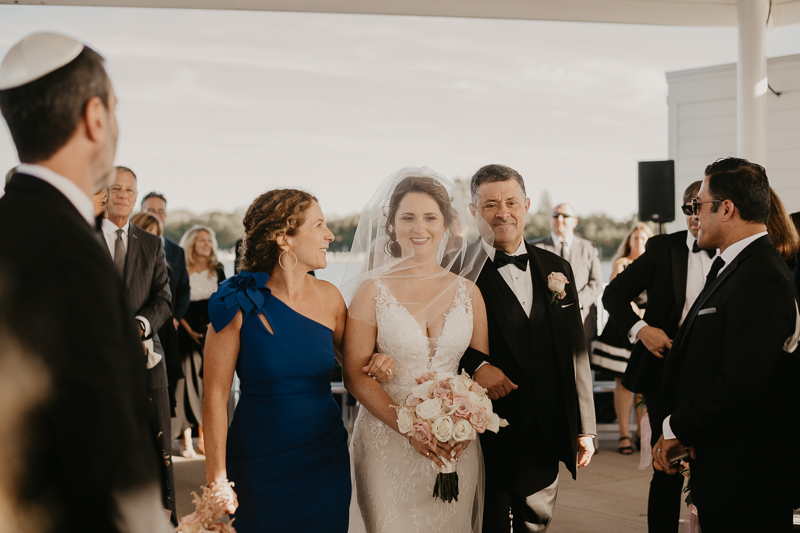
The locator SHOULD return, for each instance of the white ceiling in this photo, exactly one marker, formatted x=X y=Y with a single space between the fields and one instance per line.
x=659 y=12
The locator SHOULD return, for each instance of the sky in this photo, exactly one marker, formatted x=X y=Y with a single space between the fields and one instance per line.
x=216 y=107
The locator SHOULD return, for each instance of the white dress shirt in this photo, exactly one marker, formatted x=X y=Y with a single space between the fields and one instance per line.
x=73 y=193
x=557 y=242
x=519 y=281
x=697 y=267
x=728 y=255
x=110 y=235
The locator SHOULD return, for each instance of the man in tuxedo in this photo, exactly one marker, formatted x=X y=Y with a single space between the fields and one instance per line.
x=584 y=259
x=65 y=302
x=725 y=374
x=155 y=203
x=537 y=370
x=672 y=270
x=139 y=260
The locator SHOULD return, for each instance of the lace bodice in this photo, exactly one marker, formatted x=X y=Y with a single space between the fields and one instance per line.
x=400 y=337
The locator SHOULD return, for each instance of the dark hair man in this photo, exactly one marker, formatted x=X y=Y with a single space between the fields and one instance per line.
x=672 y=270
x=67 y=303
x=542 y=380
x=725 y=377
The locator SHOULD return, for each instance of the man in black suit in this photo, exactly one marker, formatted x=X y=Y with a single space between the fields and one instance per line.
x=584 y=259
x=725 y=375
x=65 y=302
x=155 y=203
x=537 y=370
x=672 y=271
x=139 y=259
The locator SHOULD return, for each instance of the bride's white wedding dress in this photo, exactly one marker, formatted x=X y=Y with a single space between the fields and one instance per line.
x=393 y=483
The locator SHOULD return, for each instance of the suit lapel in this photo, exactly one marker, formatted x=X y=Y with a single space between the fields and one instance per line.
x=492 y=290
x=134 y=250
x=679 y=254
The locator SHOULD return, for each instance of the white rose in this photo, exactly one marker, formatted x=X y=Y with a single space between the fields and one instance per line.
x=463 y=430
x=423 y=390
x=486 y=403
x=442 y=428
x=474 y=397
x=405 y=420
x=556 y=282
x=494 y=423
x=430 y=409
x=459 y=388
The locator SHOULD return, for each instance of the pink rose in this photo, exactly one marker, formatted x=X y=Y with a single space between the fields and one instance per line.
x=422 y=432
x=427 y=376
x=412 y=401
x=462 y=408
x=476 y=388
x=478 y=419
x=441 y=393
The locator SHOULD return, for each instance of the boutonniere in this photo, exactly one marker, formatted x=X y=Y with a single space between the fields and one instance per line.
x=556 y=282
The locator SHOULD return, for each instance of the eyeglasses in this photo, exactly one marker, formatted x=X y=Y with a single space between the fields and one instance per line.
x=696 y=204
x=687 y=210
x=556 y=215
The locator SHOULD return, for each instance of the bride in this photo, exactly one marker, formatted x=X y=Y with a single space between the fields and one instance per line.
x=411 y=294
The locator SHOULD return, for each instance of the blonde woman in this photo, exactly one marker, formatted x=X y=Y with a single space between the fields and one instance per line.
x=205 y=274
x=611 y=351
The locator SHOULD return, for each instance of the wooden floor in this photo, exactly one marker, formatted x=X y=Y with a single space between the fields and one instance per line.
x=609 y=496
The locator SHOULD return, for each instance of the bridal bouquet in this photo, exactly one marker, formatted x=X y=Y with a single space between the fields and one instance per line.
x=448 y=409
x=208 y=509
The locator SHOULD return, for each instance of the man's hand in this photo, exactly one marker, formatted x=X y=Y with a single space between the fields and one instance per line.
x=662 y=449
x=655 y=340
x=585 y=451
x=494 y=381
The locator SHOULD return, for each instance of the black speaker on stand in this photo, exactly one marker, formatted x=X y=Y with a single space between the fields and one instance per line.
x=657 y=192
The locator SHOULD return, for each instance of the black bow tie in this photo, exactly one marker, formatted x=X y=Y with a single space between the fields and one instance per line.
x=502 y=259
x=695 y=249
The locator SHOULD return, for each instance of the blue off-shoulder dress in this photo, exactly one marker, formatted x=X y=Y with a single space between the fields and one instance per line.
x=287 y=447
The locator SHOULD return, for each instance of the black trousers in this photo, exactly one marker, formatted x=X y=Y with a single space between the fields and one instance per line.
x=528 y=514
x=666 y=491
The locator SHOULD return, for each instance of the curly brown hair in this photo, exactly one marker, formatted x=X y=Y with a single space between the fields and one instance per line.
x=420 y=184
x=274 y=213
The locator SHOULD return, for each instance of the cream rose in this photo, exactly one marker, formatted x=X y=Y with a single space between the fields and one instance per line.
x=463 y=430
x=474 y=397
x=556 y=282
x=486 y=403
x=405 y=420
x=423 y=390
x=430 y=409
x=442 y=428
x=459 y=388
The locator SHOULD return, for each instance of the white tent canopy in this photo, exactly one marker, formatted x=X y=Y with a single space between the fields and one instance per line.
x=660 y=12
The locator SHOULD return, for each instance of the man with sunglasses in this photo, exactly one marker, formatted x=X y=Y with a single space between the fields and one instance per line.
x=727 y=373
x=584 y=259
x=672 y=271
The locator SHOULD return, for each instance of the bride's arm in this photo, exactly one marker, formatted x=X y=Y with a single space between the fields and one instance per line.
x=220 y=355
x=480 y=325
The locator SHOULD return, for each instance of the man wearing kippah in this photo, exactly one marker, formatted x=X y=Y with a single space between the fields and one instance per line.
x=65 y=301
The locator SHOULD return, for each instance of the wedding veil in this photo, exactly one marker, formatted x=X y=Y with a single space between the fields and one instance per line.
x=377 y=254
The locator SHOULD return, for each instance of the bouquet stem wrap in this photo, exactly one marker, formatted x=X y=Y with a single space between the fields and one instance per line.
x=446 y=486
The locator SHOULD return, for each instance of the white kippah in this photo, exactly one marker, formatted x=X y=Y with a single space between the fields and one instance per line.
x=35 y=56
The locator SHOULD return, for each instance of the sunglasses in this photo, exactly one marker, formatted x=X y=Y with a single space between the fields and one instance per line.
x=556 y=215
x=696 y=204
x=687 y=210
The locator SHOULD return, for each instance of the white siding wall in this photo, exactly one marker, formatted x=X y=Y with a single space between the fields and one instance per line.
x=702 y=125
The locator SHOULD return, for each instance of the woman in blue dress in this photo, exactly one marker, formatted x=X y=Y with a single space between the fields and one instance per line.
x=280 y=329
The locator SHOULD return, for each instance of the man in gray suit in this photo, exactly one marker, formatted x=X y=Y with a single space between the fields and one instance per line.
x=584 y=259
x=140 y=261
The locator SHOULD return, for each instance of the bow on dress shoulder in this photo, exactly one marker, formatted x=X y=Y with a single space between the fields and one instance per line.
x=246 y=290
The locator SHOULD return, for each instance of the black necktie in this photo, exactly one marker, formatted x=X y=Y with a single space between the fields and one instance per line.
x=712 y=274
x=502 y=259
x=695 y=249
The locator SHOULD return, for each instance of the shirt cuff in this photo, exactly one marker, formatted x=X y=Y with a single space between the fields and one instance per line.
x=667 y=430
x=146 y=324
x=480 y=365
x=633 y=334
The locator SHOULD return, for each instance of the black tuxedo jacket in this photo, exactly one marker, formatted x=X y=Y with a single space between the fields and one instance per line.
x=726 y=379
x=65 y=303
x=568 y=392
x=661 y=271
x=176 y=258
x=147 y=285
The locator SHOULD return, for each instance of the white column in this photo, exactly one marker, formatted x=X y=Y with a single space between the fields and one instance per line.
x=751 y=82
